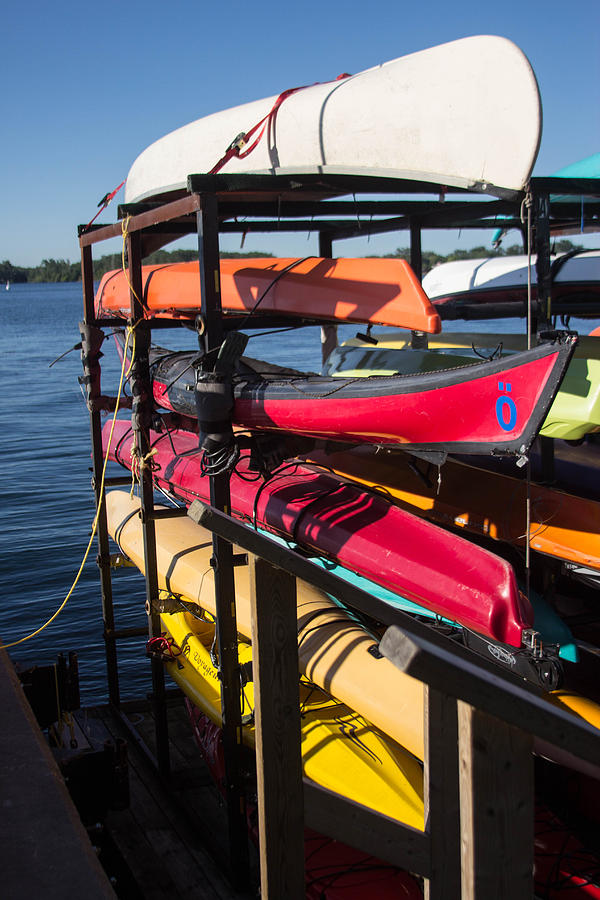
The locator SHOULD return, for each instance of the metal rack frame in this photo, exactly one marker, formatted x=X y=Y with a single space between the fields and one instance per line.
x=270 y=203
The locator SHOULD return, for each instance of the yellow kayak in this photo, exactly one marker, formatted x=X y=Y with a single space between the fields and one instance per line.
x=340 y=750
x=336 y=658
x=335 y=652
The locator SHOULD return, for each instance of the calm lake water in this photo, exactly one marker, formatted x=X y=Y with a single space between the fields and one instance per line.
x=47 y=502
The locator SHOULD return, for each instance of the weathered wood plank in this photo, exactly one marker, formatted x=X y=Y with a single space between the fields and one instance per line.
x=174 y=834
x=360 y=827
x=514 y=702
x=165 y=213
x=43 y=844
x=442 y=802
x=496 y=807
x=147 y=870
x=277 y=716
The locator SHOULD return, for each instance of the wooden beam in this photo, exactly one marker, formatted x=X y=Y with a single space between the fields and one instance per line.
x=103 y=559
x=222 y=563
x=278 y=738
x=516 y=703
x=555 y=184
x=141 y=419
x=496 y=808
x=168 y=211
x=442 y=801
x=360 y=827
x=543 y=265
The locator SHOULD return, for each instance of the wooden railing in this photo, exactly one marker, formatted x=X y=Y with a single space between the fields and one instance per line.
x=481 y=725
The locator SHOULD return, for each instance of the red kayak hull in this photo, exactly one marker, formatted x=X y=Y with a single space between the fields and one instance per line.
x=359 y=529
x=564 y=868
x=490 y=407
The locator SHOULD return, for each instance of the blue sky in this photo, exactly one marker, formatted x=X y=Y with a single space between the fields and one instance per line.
x=88 y=86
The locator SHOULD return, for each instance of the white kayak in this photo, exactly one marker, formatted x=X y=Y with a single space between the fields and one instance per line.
x=463 y=114
x=505 y=277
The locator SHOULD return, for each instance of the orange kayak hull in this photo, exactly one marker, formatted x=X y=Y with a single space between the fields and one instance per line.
x=485 y=503
x=374 y=291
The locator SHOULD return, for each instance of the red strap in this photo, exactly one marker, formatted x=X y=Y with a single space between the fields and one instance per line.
x=104 y=203
x=163 y=644
x=267 y=122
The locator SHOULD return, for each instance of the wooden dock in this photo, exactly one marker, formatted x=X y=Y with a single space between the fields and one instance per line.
x=43 y=844
x=173 y=836
x=169 y=841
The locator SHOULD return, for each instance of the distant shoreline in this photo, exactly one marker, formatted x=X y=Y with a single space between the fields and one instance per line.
x=56 y=271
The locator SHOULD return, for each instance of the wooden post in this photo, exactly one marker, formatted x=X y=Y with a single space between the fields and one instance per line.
x=277 y=711
x=442 y=803
x=547 y=469
x=543 y=264
x=496 y=807
x=416 y=257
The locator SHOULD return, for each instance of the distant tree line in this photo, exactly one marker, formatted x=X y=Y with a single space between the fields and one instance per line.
x=430 y=259
x=53 y=270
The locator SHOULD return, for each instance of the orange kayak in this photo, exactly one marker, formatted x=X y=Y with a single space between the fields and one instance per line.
x=485 y=503
x=377 y=291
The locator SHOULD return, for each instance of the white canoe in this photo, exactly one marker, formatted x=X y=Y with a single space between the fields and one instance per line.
x=505 y=277
x=464 y=114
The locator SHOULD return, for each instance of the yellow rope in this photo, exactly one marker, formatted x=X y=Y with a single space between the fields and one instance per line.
x=124 y=374
x=130 y=331
x=125 y=232
x=134 y=453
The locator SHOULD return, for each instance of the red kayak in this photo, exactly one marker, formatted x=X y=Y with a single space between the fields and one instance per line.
x=495 y=406
x=360 y=530
x=564 y=868
x=334 y=871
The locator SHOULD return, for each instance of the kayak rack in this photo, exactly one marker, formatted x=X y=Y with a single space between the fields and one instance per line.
x=466 y=704
x=481 y=726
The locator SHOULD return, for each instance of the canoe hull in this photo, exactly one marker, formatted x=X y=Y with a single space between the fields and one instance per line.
x=504 y=279
x=341 y=751
x=334 y=651
x=485 y=503
x=574 y=412
x=440 y=115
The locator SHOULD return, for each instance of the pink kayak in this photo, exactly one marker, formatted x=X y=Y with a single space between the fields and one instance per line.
x=360 y=530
